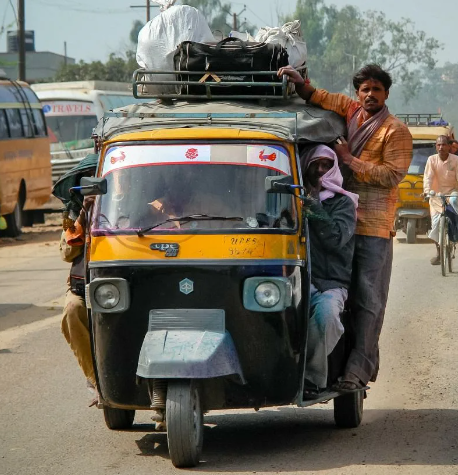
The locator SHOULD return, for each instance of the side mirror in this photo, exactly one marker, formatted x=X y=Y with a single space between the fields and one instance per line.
x=280 y=184
x=92 y=186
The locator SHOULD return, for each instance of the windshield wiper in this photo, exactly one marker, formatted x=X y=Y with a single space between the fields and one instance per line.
x=191 y=217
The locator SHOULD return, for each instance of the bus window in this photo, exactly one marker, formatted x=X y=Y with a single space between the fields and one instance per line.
x=14 y=122
x=4 y=132
x=69 y=128
x=26 y=123
x=39 y=122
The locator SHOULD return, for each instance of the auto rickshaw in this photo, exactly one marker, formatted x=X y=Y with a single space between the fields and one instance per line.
x=412 y=211
x=198 y=271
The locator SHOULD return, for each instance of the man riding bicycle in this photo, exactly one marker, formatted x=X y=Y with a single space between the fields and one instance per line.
x=441 y=176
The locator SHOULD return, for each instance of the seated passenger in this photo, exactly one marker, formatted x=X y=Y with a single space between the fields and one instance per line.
x=332 y=223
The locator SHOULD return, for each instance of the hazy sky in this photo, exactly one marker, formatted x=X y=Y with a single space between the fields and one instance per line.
x=95 y=28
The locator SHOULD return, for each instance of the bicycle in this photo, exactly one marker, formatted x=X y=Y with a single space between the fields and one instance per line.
x=447 y=241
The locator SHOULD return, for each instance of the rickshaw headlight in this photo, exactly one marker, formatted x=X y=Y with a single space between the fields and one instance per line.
x=267 y=294
x=107 y=295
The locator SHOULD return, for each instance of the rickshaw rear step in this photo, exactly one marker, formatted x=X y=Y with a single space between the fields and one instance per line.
x=327 y=396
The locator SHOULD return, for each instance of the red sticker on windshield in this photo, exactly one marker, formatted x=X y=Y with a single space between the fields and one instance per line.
x=271 y=157
x=192 y=153
x=121 y=158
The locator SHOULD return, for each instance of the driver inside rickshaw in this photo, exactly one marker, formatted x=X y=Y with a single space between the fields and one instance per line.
x=332 y=223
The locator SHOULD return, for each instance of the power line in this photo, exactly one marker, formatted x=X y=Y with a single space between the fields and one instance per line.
x=14 y=11
x=81 y=10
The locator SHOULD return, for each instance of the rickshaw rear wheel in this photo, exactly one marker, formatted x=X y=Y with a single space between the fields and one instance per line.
x=411 y=231
x=118 y=419
x=348 y=410
x=185 y=423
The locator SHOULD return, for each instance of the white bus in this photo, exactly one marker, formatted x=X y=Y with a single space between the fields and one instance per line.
x=72 y=110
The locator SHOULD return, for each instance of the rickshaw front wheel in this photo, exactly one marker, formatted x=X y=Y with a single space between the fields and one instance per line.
x=348 y=410
x=185 y=423
x=118 y=419
x=411 y=231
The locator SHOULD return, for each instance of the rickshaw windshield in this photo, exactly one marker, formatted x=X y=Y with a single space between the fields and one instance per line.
x=421 y=152
x=218 y=187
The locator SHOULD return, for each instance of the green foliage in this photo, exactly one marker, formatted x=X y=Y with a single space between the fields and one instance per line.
x=341 y=41
x=438 y=94
x=135 y=30
x=117 y=68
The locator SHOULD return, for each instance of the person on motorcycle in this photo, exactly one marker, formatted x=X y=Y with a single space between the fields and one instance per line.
x=332 y=224
x=376 y=158
x=441 y=176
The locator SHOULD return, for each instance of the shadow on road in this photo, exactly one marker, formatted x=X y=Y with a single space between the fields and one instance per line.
x=307 y=440
x=14 y=315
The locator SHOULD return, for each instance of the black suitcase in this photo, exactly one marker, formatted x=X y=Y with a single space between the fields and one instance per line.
x=230 y=55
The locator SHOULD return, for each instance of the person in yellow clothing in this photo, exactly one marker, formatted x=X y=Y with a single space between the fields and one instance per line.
x=441 y=176
x=75 y=323
x=375 y=159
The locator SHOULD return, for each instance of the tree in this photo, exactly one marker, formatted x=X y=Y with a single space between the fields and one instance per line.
x=341 y=41
x=135 y=30
x=117 y=68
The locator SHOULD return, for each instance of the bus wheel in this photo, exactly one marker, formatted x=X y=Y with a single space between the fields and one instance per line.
x=14 y=222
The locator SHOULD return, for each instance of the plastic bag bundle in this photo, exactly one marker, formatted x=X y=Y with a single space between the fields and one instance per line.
x=159 y=38
x=290 y=37
x=164 y=4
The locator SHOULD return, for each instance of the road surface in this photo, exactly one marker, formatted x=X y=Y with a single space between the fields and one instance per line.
x=410 y=423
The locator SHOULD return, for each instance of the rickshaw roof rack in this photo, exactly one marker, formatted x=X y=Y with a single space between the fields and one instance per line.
x=206 y=81
x=294 y=121
x=422 y=120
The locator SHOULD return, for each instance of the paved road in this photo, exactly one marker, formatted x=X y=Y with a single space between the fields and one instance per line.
x=410 y=421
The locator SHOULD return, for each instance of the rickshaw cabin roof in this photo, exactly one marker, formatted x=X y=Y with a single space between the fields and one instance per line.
x=293 y=121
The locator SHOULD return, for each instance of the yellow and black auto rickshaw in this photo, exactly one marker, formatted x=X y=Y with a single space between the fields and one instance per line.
x=198 y=272
x=412 y=211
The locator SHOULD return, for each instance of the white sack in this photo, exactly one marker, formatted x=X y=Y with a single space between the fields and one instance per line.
x=159 y=38
x=290 y=37
x=164 y=4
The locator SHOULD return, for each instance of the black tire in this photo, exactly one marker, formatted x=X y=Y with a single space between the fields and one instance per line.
x=443 y=241
x=14 y=222
x=411 y=231
x=118 y=419
x=185 y=424
x=450 y=253
x=348 y=410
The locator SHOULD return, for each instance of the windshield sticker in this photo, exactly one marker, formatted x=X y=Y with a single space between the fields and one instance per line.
x=268 y=156
x=272 y=157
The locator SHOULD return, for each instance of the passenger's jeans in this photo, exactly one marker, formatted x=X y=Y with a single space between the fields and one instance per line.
x=324 y=331
x=367 y=301
x=434 y=233
x=75 y=327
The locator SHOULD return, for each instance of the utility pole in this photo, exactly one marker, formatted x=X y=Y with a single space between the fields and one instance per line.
x=351 y=88
x=21 y=39
x=235 y=25
x=148 y=9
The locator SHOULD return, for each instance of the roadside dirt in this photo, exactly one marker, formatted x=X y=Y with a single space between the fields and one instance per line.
x=49 y=231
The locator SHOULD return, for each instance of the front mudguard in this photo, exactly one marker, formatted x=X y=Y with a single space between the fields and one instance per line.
x=188 y=354
x=408 y=213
